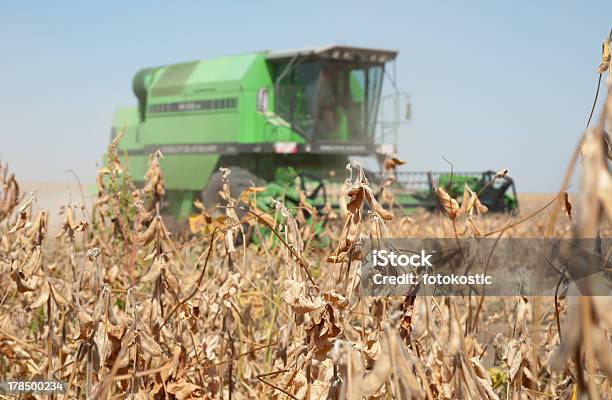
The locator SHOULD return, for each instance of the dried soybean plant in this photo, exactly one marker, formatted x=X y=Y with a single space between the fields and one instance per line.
x=586 y=348
x=9 y=194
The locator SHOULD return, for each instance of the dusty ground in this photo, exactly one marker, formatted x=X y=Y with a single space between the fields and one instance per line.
x=51 y=196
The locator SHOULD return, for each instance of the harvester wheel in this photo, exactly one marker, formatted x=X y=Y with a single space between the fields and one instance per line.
x=239 y=180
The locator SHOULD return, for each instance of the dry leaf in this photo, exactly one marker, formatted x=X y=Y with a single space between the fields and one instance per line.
x=450 y=205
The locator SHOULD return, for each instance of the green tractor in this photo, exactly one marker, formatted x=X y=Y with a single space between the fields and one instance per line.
x=272 y=117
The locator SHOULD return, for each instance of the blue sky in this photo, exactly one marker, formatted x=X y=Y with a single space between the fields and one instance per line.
x=493 y=84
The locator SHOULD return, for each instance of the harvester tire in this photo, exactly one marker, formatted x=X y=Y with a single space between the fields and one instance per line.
x=240 y=179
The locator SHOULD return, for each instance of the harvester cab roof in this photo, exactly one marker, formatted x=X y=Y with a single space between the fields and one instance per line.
x=336 y=52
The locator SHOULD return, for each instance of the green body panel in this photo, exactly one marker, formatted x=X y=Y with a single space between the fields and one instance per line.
x=187 y=171
x=238 y=77
x=224 y=127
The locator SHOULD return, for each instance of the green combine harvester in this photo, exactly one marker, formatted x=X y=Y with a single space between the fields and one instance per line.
x=287 y=120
